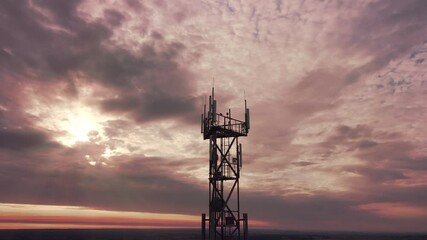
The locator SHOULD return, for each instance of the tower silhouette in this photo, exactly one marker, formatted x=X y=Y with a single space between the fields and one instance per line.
x=225 y=162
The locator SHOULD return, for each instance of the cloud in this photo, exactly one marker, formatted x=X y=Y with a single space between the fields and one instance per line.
x=128 y=183
x=114 y=17
x=377 y=174
x=51 y=45
x=385 y=31
x=382 y=158
x=309 y=213
x=58 y=36
x=316 y=91
x=155 y=107
x=149 y=87
x=303 y=163
x=149 y=84
x=326 y=142
x=24 y=140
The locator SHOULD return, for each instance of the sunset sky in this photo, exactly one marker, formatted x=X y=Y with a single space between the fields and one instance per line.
x=100 y=104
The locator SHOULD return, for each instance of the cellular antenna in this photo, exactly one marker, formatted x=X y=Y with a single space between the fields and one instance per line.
x=225 y=221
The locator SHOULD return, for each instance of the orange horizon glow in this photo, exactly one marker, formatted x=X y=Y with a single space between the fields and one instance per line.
x=20 y=216
x=29 y=216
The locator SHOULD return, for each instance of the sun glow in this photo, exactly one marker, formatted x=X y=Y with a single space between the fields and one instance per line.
x=72 y=120
x=79 y=124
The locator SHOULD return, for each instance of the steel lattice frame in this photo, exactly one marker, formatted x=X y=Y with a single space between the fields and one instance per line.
x=225 y=162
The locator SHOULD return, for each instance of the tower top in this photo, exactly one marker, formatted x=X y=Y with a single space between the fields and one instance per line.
x=213 y=123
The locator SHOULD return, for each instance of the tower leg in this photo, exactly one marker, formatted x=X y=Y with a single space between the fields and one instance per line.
x=203 y=226
x=245 y=226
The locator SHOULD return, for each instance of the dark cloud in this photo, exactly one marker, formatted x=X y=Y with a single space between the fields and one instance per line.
x=56 y=46
x=134 y=184
x=412 y=195
x=12 y=114
x=134 y=4
x=279 y=4
x=308 y=212
x=385 y=157
x=366 y=144
x=318 y=90
x=154 y=107
x=37 y=46
x=364 y=138
x=24 y=140
x=113 y=17
x=156 y=35
x=387 y=151
x=303 y=163
x=151 y=86
x=378 y=18
x=414 y=163
x=385 y=30
x=360 y=131
x=377 y=174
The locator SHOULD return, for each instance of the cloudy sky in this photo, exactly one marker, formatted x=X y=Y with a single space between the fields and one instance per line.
x=100 y=104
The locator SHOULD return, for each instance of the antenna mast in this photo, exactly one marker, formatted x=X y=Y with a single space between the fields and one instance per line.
x=225 y=163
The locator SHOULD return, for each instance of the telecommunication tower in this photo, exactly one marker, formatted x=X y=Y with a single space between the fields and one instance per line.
x=225 y=162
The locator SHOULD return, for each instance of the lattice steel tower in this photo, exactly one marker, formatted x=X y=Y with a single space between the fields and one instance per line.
x=225 y=162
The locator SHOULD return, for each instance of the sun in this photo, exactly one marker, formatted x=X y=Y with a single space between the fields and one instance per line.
x=70 y=120
x=74 y=121
x=78 y=124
